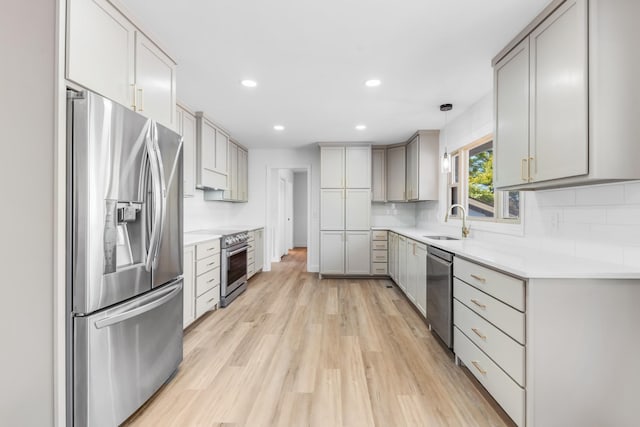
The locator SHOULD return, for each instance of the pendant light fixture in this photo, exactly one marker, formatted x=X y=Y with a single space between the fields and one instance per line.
x=446 y=159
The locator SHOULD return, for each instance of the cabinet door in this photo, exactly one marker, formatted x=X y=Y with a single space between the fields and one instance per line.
x=259 y=250
x=358 y=252
x=101 y=49
x=393 y=255
x=189 y=294
x=511 y=85
x=188 y=127
x=358 y=209
x=559 y=94
x=332 y=252
x=232 y=172
x=402 y=262
x=358 y=167
x=222 y=146
x=243 y=178
x=332 y=167
x=421 y=279
x=412 y=170
x=396 y=180
x=332 y=209
x=378 y=175
x=412 y=270
x=208 y=147
x=155 y=82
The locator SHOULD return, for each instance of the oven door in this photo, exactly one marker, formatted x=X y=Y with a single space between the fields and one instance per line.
x=236 y=269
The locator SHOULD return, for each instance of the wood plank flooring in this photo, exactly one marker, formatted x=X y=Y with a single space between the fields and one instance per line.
x=297 y=351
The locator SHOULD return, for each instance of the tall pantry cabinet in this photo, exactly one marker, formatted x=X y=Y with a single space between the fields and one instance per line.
x=345 y=209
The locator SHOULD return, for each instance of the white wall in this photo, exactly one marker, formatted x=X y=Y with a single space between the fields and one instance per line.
x=300 y=209
x=598 y=222
x=27 y=116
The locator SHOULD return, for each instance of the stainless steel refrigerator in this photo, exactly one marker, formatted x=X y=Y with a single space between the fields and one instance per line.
x=124 y=251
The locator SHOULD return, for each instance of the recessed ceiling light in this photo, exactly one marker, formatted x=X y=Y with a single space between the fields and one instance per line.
x=249 y=83
x=278 y=127
x=372 y=83
x=361 y=127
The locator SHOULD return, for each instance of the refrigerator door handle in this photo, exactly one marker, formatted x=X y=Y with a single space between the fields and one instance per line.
x=162 y=192
x=156 y=301
x=156 y=192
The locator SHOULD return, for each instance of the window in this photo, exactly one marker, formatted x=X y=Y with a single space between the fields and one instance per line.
x=471 y=185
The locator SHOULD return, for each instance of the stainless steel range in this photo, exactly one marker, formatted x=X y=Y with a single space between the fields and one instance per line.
x=233 y=271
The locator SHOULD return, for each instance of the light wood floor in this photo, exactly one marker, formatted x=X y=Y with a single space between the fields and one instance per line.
x=297 y=351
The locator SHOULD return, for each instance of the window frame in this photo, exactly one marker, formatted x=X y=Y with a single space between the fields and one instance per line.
x=460 y=161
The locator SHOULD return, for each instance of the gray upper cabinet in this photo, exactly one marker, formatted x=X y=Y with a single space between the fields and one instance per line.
x=378 y=175
x=357 y=167
x=186 y=126
x=565 y=101
x=512 y=117
x=243 y=171
x=237 y=170
x=558 y=145
x=212 y=146
x=332 y=167
x=412 y=170
x=422 y=166
x=108 y=54
x=396 y=168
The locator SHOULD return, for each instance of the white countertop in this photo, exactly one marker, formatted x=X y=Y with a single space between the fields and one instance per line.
x=522 y=261
x=194 y=237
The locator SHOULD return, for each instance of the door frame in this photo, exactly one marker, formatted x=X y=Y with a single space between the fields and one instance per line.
x=270 y=193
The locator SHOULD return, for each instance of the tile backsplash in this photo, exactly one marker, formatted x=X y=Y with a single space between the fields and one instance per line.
x=596 y=222
x=601 y=221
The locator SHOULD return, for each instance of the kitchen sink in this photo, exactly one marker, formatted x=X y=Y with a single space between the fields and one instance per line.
x=441 y=237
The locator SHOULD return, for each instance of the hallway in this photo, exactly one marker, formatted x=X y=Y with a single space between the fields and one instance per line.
x=298 y=351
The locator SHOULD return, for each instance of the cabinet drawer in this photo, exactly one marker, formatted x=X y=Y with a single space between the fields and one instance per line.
x=379 y=235
x=252 y=236
x=207 y=301
x=499 y=285
x=250 y=257
x=503 y=350
x=252 y=245
x=504 y=317
x=379 y=245
x=503 y=389
x=207 y=249
x=379 y=256
x=379 y=268
x=207 y=281
x=207 y=264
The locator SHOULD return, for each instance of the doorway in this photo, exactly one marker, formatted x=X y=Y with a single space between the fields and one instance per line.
x=287 y=204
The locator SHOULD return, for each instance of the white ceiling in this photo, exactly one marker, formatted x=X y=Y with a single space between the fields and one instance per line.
x=311 y=59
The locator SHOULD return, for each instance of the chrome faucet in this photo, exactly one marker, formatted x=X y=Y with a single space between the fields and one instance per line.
x=465 y=229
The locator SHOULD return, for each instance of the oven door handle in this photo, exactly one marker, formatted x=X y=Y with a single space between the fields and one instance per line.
x=237 y=251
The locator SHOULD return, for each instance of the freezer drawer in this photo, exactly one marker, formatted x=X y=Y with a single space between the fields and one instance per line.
x=124 y=354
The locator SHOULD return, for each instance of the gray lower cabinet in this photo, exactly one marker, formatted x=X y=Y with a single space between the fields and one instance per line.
x=489 y=332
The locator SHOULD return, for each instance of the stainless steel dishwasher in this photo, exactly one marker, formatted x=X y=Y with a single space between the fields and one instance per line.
x=440 y=293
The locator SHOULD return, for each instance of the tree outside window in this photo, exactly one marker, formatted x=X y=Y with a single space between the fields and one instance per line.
x=472 y=184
